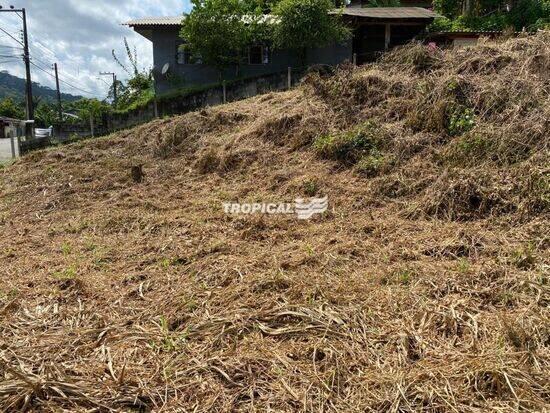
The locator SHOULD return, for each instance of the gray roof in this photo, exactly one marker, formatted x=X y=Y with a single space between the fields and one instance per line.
x=370 y=12
x=389 y=12
x=156 y=21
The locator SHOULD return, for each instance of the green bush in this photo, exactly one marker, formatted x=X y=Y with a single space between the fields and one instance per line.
x=373 y=164
x=349 y=147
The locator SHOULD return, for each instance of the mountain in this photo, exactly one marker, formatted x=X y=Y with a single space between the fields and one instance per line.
x=13 y=86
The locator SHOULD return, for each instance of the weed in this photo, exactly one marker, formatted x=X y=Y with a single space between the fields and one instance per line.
x=69 y=273
x=524 y=257
x=463 y=266
x=401 y=276
x=461 y=120
x=349 y=147
x=470 y=148
x=372 y=164
x=404 y=276
x=310 y=187
x=89 y=246
x=66 y=249
x=8 y=295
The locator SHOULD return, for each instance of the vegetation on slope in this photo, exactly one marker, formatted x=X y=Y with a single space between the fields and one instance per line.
x=423 y=288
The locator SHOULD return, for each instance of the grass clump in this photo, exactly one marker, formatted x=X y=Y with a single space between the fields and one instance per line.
x=373 y=164
x=351 y=146
x=69 y=273
x=470 y=148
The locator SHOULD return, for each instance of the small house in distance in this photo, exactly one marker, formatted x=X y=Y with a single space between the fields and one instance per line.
x=375 y=30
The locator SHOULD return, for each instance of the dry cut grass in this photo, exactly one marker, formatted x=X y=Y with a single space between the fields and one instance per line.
x=424 y=288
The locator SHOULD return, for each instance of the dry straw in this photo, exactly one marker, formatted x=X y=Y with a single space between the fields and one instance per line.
x=424 y=288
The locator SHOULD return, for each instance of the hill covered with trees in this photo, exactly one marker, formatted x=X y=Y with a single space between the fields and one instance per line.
x=14 y=87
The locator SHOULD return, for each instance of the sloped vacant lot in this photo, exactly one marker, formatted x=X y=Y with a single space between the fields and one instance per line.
x=424 y=287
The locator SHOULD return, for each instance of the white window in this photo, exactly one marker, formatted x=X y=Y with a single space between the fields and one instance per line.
x=258 y=55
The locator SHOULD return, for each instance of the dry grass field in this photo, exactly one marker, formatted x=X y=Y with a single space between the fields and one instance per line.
x=423 y=288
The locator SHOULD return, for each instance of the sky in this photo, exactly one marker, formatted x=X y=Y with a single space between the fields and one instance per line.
x=79 y=35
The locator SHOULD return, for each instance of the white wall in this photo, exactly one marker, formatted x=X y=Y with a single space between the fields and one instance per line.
x=5 y=149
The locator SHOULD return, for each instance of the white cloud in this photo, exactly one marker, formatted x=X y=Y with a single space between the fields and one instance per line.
x=79 y=35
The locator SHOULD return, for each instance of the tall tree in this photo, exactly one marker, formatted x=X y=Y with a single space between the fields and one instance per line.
x=304 y=24
x=219 y=30
x=10 y=109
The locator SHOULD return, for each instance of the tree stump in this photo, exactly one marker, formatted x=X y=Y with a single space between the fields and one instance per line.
x=137 y=174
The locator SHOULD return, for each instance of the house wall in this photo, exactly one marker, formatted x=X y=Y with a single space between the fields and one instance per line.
x=165 y=42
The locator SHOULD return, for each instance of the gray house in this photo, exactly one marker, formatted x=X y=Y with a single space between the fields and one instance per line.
x=374 y=30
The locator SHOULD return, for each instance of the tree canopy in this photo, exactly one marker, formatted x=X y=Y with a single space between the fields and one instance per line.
x=219 y=31
x=307 y=23
x=492 y=14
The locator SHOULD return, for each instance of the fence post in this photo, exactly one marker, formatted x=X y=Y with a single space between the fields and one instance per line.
x=355 y=59
x=13 y=154
x=92 y=124
x=156 y=108
x=289 y=77
x=224 y=86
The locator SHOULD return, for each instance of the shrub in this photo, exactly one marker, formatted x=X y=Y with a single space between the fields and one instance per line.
x=349 y=147
x=373 y=164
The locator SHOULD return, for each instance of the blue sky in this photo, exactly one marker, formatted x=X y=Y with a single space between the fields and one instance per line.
x=79 y=35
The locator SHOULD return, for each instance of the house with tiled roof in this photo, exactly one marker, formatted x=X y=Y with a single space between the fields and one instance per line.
x=375 y=30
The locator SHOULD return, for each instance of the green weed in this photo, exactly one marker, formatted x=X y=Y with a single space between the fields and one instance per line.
x=461 y=120
x=349 y=147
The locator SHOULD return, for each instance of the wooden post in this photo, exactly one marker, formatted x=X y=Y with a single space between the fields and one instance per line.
x=355 y=59
x=156 y=108
x=224 y=85
x=289 y=78
x=13 y=153
x=92 y=124
x=388 y=37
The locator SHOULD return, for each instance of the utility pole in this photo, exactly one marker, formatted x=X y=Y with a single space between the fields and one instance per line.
x=59 y=107
x=26 y=58
x=115 y=97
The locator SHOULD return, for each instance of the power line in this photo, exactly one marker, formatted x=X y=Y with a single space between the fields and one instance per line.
x=44 y=47
x=62 y=81
x=10 y=47
x=39 y=60
x=11 y=36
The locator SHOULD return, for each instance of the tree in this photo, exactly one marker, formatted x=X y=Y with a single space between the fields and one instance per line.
x=45 y=115
x=10 y=109
x=139 y=87
x=218 y=31
x=491 y=14
x=304 y=24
